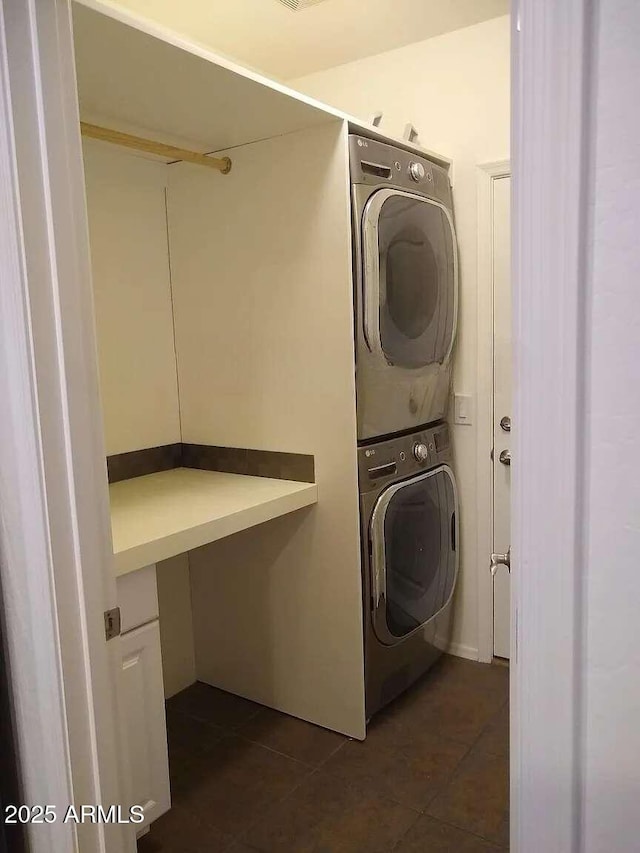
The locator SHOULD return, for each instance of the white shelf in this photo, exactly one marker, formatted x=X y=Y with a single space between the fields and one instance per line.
x=160 y=515
x=138 y=77
x=141 y=78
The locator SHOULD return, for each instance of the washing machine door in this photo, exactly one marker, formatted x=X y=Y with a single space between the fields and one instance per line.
x=410 y=279
x=414 y=557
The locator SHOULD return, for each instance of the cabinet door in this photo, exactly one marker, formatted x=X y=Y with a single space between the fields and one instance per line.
x=144 y=721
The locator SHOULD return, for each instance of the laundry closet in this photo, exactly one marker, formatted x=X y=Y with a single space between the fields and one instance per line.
x=223 y=302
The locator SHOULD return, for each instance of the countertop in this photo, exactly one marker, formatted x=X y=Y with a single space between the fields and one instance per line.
x=160 y=515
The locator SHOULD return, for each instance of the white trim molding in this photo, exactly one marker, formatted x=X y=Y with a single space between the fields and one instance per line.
x=461 y=650
x=549 y=149
x=31 y=644
x=487 y=174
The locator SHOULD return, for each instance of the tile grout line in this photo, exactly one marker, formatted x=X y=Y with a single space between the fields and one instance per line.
x=467 y=831
x=227 y=731
x=454 y=773
x=278 y=802
x=423 y=811
x=334 y=752
x=276 y=751
x=306 y=776
x=354 y=785
x=313 y=770
x=450 y=780
x=404 y=834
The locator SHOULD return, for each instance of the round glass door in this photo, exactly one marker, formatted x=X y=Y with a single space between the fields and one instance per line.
x=411 y=311
x=415 y=524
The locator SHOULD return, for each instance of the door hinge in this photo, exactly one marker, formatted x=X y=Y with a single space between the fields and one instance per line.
x=112 y=623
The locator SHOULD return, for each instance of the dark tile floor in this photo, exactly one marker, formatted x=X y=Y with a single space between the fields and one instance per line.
x=432 y=775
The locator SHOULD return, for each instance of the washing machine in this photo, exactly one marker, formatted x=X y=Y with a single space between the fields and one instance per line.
x=406 y=287
x=409 y=530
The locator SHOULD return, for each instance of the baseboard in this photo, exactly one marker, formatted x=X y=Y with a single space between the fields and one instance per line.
x=461 y=650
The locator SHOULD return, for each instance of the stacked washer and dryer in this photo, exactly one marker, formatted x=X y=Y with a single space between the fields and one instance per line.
x=406 y=299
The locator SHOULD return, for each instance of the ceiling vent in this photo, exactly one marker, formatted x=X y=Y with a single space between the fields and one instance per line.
x=299 y=5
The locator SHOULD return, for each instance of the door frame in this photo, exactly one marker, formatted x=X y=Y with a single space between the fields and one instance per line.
x=56 y=572
x=552 y=87
x=54 y=477
x=487 y=174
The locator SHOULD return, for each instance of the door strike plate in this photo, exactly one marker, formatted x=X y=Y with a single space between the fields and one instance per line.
x=112 y=623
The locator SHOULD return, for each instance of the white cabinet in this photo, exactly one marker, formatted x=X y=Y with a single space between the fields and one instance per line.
x=137 y=598
x=144 y=724
x=142 y=695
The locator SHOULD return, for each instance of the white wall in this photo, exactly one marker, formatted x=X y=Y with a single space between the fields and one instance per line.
x=611 y=747
x=455 y=90
x=132 y=293
x=126 y=201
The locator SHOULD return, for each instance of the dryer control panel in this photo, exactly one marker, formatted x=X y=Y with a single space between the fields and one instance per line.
x=402 y=456
x=379 y=164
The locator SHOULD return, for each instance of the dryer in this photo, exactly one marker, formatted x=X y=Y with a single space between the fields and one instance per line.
x=409 y=533
x=406 y=287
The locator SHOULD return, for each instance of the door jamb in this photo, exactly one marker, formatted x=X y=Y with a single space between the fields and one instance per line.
x=30 y=642
x=486 y=175
x=552 y=86
x=56 y=545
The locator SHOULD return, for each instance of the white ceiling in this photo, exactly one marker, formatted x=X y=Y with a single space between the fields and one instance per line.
x=267 y=36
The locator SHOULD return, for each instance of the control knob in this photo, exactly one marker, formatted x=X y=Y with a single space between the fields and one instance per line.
x=421 y=452
x=417 y=172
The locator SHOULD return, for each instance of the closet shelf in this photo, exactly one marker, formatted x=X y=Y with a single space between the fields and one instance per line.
x=160 y=515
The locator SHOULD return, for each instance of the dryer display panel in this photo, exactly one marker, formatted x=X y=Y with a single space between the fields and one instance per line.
x=410 y=279
x=415 y=553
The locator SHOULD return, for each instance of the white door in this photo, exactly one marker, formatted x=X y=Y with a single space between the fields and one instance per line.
x=501 y=409
x=411 y=288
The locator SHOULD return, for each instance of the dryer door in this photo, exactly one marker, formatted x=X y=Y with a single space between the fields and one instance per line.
x=414 y=553
x=410 y=279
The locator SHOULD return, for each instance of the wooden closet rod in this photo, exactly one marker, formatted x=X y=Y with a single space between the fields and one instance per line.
x=223 y=164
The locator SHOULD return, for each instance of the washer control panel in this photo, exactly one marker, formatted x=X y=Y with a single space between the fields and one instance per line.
x=399 y=457
x=420 y=451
